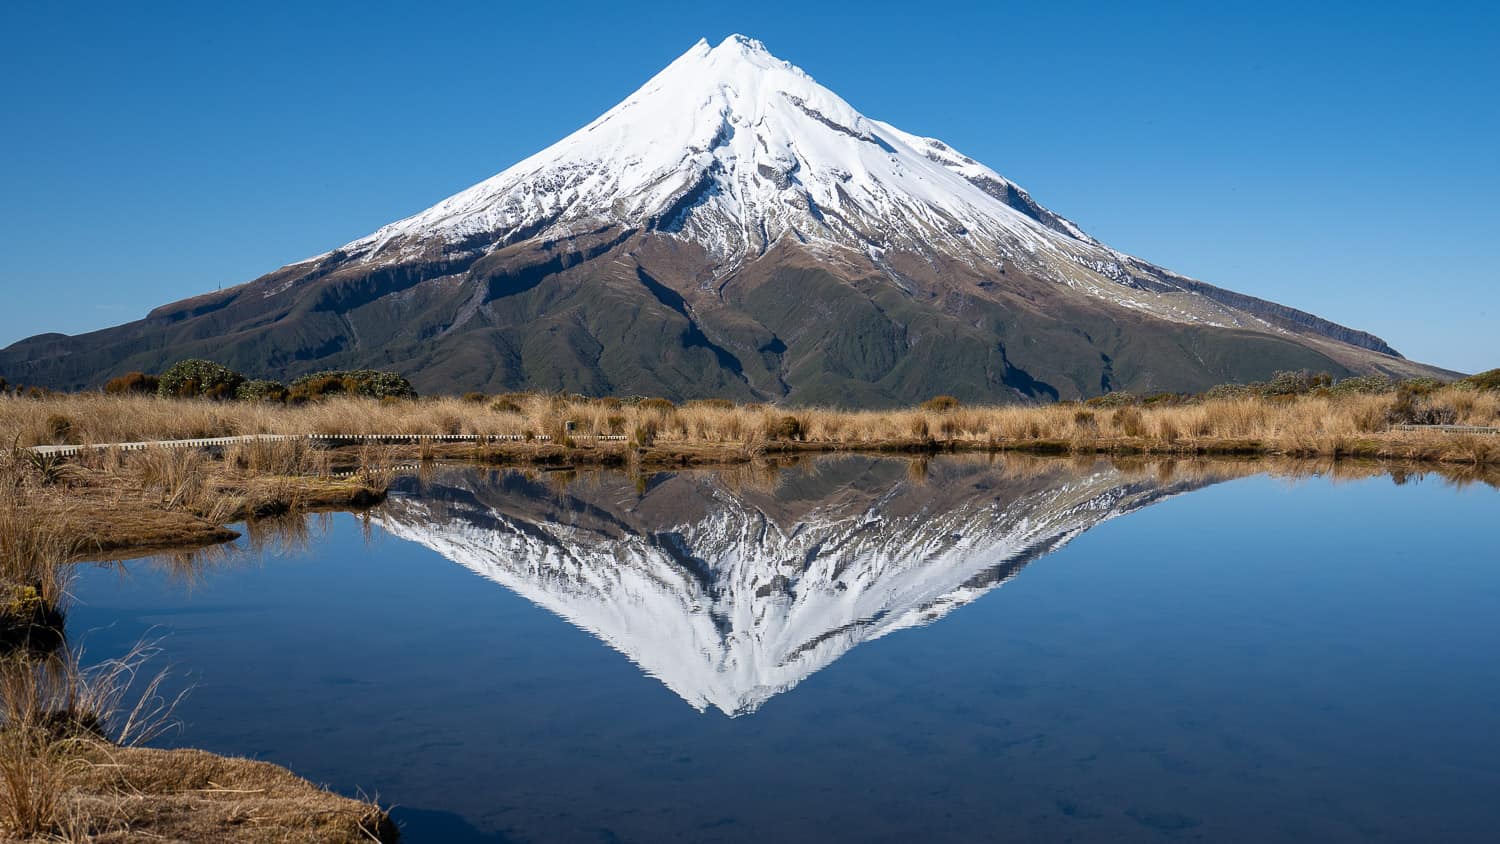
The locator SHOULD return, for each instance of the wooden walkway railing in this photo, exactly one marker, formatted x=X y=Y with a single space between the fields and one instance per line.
x=209 y=442
x=1448 y=429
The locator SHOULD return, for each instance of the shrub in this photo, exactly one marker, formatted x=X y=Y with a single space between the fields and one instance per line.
x=1286 y=383
x=940 y=404
x=131 y=383
x=262 y=390
x=716 y=404
x=1228 y=391
x=196 y=378
x=656 y=404
x=1116 y=399
x=369 y=383
x=1487 y=380
x=1413 y=408
x=475 y=398
x=1362 y=385
x=505 y=406
x=315 y=387
x=1419 y=386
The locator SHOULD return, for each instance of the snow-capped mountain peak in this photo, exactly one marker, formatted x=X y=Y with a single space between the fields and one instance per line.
x=733 y=148
x=733 y=229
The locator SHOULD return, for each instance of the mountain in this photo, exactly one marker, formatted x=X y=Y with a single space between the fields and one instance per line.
x=733 y=229
x=731 y=591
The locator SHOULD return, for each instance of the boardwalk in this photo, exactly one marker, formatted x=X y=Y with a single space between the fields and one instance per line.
x=326 y=439
x=1448 y=429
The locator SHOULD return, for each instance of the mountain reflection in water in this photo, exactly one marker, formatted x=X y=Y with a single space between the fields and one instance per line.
x=732 y=587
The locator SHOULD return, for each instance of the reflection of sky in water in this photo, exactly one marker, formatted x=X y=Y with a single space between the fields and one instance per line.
x=1252 y=660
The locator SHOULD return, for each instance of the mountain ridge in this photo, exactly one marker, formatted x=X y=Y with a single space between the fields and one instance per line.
x=677 y=245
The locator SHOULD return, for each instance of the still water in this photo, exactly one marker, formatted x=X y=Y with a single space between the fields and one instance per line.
x=859 y=649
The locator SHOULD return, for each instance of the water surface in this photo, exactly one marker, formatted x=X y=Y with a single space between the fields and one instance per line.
x=860 y=649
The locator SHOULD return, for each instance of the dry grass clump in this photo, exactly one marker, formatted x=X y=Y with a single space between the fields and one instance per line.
x=107 y=501
x=33 y=554
x=50 y=708
x=72 y=767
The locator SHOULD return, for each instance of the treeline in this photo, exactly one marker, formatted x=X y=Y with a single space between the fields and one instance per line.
x=1415 y=402
x=1287 y=384
x=196 y=378
x=204 y=379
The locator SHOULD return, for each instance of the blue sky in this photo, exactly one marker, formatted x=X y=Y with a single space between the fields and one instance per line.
x=1340 y=158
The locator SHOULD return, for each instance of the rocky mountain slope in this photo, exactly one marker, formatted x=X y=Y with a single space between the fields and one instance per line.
x=733 y=229
x=730 y=590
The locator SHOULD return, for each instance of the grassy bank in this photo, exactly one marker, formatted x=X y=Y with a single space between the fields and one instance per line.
x=72 y=767
x=109 y=503
x=1309 y=422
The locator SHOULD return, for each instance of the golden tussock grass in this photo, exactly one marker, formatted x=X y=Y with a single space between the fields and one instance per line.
x=71 y=764
x=73 y=768
x=1293 y=425
x=107 y=500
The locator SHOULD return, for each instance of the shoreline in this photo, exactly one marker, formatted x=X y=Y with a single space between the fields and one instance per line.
x=70 y=501
x=108 y=516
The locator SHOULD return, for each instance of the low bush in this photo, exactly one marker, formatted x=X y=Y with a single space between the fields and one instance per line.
x=369 y=383
x=940 y=404
x=1419 y=386
x=1287 y=383
x=131 y=383
x=1368 y=385
x=1119 y=398
x=1412 y=408
x=1228 y=391
x=262 y=390
x=1487 y=380
x=197 y=378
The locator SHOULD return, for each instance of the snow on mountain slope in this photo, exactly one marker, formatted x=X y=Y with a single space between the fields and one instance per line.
x=740 y=600
x=734 y=148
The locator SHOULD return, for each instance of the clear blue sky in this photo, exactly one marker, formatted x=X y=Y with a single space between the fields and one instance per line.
x=1340 y=158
